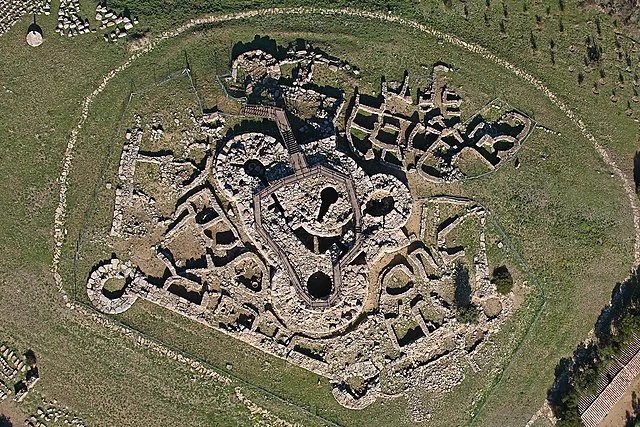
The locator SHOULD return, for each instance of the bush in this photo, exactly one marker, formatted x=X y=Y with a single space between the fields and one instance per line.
x=502 y=279
x=30 y=358
x=467 y=314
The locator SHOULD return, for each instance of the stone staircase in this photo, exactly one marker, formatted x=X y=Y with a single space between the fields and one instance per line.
x=612 y=385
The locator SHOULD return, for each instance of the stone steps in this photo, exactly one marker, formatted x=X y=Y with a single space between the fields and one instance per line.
x=595 y=408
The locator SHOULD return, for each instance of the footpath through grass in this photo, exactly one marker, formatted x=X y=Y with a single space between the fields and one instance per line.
x=566 y=216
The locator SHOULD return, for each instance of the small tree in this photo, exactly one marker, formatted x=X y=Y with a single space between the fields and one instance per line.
x=30 y=357
x=468 y=314
x=502 y=279
x=5 y=421
x=532 y=40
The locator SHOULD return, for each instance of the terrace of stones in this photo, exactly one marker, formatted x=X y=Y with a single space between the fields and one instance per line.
x=11 y=11
x=16 y=374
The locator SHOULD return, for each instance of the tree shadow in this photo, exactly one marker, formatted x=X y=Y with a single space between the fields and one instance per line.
x=636 y=170
x=462 y=286
x=633 y=418
x=34 y=28
x=5 y=421
x=30 y=357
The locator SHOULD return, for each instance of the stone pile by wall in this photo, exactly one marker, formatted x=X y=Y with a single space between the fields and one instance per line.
x=70 y=22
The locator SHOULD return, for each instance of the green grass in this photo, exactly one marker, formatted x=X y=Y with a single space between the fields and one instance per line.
x=564 y=214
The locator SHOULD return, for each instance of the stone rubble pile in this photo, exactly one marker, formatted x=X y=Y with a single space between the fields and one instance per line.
x=15 y=374
x=70 y=23
x=51 y=412
x=12 y=10
x=109 y=18
x=10 y=367
x=306 y=52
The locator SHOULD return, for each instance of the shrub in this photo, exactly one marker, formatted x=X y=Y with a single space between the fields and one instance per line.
x=502 y=279
x=468 y=314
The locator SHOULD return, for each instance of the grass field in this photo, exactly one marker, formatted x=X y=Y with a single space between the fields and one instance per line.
x=563 y=212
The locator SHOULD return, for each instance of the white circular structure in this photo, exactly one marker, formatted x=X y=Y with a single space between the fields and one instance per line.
x=34 y=38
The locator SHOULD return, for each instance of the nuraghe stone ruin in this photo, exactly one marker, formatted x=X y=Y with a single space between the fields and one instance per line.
x=434 y=144
x=283 y=240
